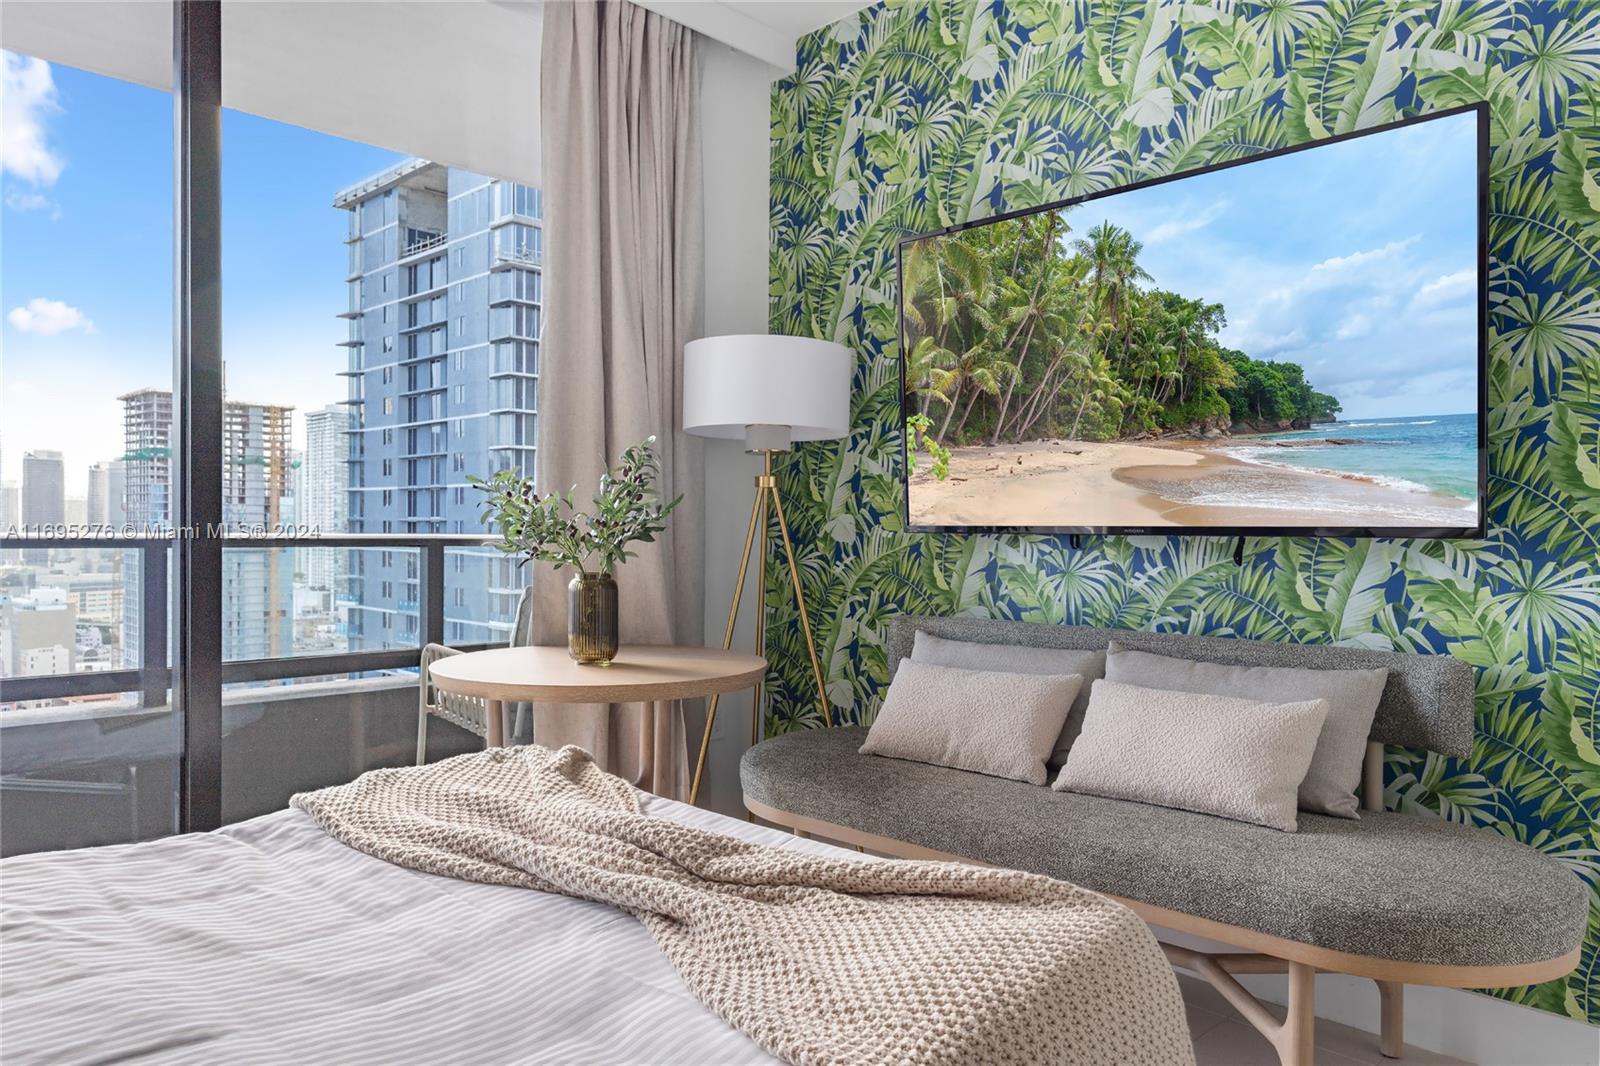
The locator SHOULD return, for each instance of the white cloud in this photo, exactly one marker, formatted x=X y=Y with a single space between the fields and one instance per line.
x=29 y=94
x=1177 y=227
x=48 y=317
x=18 y=200
x=1339 y=264
x=1442 y=290
x=1256 y=339
x=1354 y=325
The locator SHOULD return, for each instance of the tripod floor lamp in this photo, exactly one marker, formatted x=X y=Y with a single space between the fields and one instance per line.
x=770 y=391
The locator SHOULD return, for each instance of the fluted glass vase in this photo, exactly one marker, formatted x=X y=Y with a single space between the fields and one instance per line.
x=592 y=619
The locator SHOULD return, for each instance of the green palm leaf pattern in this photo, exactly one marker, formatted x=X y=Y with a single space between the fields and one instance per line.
x=916 y=114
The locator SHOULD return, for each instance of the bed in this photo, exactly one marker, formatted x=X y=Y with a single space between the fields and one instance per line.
x=310 y=951
x=313 y=935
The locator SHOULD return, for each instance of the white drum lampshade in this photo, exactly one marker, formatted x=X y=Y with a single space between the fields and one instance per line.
x=767 y=390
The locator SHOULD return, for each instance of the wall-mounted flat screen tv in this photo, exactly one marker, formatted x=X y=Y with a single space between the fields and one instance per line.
x=1291 y=342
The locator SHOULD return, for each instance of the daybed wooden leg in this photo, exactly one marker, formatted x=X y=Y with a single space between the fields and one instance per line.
x=1299 y=1025
x=802 y=834
x=1392 y=1011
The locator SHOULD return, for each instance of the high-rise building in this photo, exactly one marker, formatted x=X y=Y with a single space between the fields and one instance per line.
x=10 y=520
x=321 y=495
x=44 y=498
x=44 y=491
x=147 y=496
x=257 y=583
x=443 y=363
x=147 y=458
x=96 y=499
x=108 y=486
x=255 y=460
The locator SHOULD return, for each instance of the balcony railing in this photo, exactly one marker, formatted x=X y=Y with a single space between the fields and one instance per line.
x=423 y=243
x=522 y=254
x=153 y=676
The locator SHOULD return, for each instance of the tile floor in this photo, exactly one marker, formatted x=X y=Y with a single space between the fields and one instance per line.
x=1222 y=1038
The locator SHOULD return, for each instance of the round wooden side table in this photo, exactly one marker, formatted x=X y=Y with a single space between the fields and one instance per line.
x=641 y=673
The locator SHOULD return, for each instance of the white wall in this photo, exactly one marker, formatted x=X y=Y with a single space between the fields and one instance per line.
x=734 y=101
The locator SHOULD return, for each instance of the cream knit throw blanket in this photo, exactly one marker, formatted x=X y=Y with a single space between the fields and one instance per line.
x=817 y=959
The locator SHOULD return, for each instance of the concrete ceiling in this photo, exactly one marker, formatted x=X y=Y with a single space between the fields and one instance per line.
x=382 y=73
x=795 y=17
x=766 y=29
x=449 y=69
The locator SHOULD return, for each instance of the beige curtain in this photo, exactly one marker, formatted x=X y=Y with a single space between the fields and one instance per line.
x=622 y=273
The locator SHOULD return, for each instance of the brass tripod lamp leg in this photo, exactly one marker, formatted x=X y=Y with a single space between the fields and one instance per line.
x=767 y=486
x=766 y=492
x=757 y=513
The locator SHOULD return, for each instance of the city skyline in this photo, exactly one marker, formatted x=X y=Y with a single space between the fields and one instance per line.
x=380 y=333
x=380 y=347
x=85 y=262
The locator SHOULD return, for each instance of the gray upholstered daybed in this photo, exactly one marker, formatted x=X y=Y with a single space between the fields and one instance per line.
x=1401 y=899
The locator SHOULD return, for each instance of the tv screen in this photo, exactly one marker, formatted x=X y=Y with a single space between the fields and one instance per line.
x=1287 y=343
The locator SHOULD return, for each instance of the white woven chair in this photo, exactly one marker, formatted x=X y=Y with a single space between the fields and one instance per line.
x=468 y=712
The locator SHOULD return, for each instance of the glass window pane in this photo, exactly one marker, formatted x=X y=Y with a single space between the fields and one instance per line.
x=358 y=286
x=89 y=746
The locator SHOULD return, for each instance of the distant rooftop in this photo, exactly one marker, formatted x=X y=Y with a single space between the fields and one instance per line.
x=354 y=194
x=150 y=390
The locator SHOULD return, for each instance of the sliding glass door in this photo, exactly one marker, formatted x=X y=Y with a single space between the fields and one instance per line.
x=269 y=344
x=91 y=746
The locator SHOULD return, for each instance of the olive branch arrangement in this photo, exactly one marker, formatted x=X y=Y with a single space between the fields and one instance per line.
x=550 y=528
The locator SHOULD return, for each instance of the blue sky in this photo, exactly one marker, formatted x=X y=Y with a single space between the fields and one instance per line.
x=86 y=259
x=1356 y=260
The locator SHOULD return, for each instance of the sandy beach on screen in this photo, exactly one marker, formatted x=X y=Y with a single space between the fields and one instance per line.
x=1156 y=483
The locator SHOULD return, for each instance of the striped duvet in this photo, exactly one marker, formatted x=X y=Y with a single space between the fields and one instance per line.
x=273 y=943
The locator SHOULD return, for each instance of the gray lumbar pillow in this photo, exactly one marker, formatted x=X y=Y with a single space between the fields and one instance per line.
x=1020 y=659
x=985 y=721
x=1352 y=695
x=1234 y=758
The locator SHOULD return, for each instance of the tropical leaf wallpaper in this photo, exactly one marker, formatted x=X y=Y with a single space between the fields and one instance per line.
x=912 y=116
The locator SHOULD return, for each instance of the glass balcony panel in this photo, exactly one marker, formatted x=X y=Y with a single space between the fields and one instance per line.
x=88 y=747
x=94 y=761
x=320 y=731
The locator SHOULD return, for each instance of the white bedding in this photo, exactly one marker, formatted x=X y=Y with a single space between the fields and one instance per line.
x=269 y=941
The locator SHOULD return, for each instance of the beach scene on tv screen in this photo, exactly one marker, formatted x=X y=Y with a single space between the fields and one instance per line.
x=1289 y=343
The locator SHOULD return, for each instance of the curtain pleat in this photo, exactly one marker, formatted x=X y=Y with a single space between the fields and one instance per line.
x=622 y=270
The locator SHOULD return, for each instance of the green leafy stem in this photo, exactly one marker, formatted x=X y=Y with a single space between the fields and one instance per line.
x=550 y=528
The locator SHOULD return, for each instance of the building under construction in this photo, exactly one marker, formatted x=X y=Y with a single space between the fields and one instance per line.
x=258 y=583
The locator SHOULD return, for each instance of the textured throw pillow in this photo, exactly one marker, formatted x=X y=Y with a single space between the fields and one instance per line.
x=980 y=720
x=1219 y=755
x=1352 y=695
x=1020 y=659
